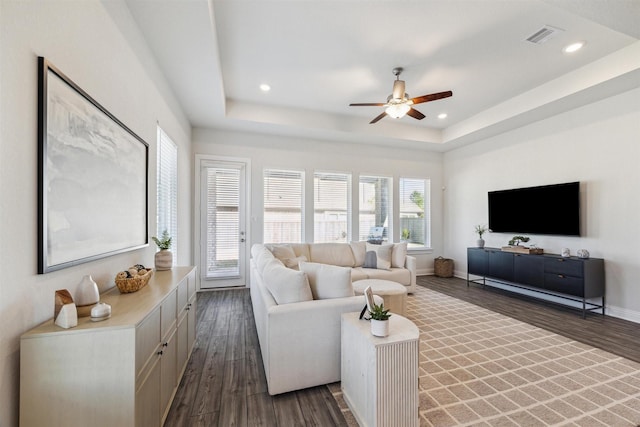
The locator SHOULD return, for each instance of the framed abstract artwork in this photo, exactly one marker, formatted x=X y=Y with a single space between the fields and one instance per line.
x=92 y=177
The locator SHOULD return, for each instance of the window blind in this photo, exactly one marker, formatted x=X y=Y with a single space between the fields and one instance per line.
x=283 y=206
x=415 y=211
x=332 y=207
x=375 y=208
x=167 y=190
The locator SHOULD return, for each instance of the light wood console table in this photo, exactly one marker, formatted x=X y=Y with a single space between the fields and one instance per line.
x=123 y=371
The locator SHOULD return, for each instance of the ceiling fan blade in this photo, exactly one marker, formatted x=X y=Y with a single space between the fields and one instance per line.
x=415 y=114
x=431 y=97
x=377 y=118
x=369 y=104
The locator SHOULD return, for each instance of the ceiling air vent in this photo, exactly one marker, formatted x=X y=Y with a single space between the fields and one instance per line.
x=543 y=34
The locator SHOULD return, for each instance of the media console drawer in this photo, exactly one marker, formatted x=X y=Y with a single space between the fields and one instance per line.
x=566 y=266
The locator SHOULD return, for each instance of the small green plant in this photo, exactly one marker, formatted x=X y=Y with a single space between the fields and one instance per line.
x=406 y=234
x=164 y=242
x=516 y=240
x=481 y=229
x=379 y=313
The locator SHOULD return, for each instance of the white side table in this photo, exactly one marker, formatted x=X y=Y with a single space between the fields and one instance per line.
x=380 y=375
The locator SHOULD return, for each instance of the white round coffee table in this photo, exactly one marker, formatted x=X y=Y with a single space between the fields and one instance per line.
x=394 y=294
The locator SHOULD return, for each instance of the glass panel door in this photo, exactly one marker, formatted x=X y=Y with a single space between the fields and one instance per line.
x=222 y=224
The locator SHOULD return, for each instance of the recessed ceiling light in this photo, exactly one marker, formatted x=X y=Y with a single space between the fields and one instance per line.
x=573 y=47
x=265 y=87
x=442 y=116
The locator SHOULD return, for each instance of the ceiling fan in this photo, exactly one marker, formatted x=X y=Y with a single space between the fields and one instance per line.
x=399 y=104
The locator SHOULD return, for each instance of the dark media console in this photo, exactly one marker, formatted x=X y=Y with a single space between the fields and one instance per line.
x=571 y=278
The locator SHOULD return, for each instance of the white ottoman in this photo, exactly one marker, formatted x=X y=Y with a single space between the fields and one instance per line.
x=394 y=294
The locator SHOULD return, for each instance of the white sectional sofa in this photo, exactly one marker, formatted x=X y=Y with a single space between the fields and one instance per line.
x=299 y=292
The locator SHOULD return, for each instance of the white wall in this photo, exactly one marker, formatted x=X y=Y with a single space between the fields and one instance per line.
x=598 y=145
x=85 y=40
x=267 y=151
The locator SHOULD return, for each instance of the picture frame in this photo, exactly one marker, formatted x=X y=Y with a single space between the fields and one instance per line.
x=92 y=177
x=368 y=294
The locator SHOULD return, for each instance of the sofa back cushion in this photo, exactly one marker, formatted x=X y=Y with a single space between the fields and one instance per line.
x=359 y=250
x=286 y=285
x=338 y=254
x=328 y=281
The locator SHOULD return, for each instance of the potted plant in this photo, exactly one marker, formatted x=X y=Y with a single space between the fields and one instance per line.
x=164 y=257
x=480 y=229
x=379 y=320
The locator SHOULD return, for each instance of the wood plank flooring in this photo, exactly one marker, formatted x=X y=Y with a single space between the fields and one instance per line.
x=224 y=384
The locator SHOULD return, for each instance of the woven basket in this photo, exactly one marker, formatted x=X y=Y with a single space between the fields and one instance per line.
x=443 y=267
x=133 y=284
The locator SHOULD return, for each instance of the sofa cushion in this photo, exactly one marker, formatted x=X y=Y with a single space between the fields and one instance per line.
x=262 y=256
x=328 y=281
x=398 y=255
x=286 y=285
x=378 y=256
x=359 y=250
x=359 y=273
x=339 y=254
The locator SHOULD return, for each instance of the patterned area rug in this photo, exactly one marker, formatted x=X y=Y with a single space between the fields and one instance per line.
x=480 y=368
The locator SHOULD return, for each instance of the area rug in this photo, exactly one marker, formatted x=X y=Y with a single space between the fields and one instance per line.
x=480 y=368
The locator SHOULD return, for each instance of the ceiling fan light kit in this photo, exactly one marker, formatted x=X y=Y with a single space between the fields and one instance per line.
x=399 y=104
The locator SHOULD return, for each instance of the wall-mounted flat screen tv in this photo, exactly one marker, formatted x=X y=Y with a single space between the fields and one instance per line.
x=547 y=209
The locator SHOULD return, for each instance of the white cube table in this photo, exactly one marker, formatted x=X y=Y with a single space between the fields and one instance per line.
x=380 y=375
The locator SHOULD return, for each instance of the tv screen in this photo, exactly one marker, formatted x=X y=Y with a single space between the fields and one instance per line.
x=548 y=209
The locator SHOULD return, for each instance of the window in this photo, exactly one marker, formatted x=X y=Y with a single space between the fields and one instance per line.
x=283 y=206
x=331 y=205
x=167 y=191
x=375 y=208
x=415 y=212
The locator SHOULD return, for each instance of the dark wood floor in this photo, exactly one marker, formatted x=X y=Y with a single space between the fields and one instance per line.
x=224 y=384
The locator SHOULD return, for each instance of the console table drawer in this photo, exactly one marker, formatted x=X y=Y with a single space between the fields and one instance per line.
x=564 y=284
x=567 y=267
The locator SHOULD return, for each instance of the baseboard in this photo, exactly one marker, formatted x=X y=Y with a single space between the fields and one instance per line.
x=425 y=272
x=610 y=310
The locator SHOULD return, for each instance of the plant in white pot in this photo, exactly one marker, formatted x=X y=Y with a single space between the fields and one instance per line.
x=164 y=257
x=480 y=229
x=379 y=320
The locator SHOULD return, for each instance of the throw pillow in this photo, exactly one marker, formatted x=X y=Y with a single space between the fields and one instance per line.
x=294 y=262
x=328 y=281
x=286 y=285
x=282 y=252
x=398 y=255
x=359 y=251
x=378 y=256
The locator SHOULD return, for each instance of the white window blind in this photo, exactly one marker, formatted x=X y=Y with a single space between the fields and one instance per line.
x=167 y=210
x=415 y=212
x=222 y=222
x=375 y=208
x=331 y=204
x=283 y=206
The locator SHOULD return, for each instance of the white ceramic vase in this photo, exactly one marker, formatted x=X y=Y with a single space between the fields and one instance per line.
x=380 y=328
x=87 y=292
x=164 y=259
x=480 y=243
